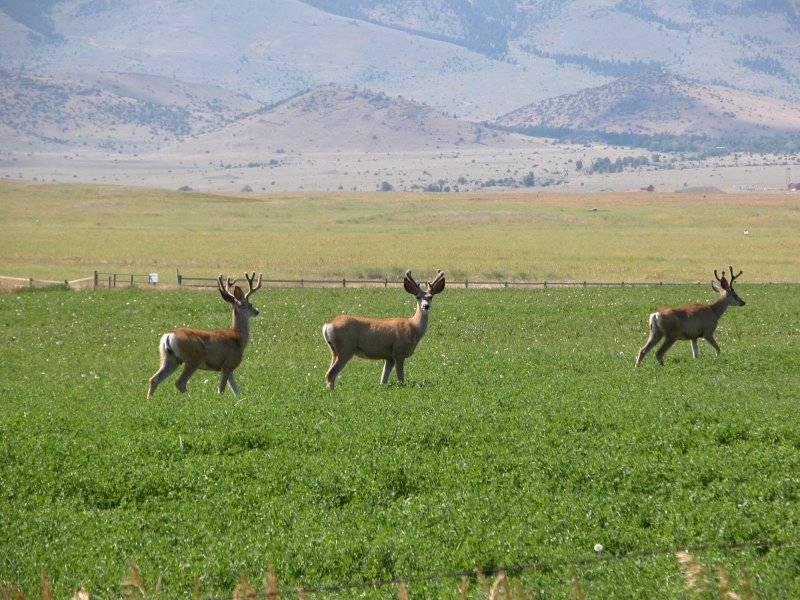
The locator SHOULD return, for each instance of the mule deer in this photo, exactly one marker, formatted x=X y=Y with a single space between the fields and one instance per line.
x=392 y=340
x=217 y=350
x=692 y=321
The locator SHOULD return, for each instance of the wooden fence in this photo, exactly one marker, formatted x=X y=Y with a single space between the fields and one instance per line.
x=112 y=280
x=124 y=279
x=205 y=282
x=12 y=283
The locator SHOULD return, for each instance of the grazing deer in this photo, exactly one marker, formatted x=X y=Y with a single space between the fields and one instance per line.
x=217 y=350
x=392 y=340
x=692 y=321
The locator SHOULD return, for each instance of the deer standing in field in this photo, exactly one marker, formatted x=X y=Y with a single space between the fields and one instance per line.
x=392 y=340
x=692 y=321
x=216 y=350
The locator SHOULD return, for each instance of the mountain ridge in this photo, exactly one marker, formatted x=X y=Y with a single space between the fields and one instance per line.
x=655 y=102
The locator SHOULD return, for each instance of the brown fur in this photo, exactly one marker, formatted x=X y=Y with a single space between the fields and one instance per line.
x=690 y=322
x=391 y=340
x=215 y=350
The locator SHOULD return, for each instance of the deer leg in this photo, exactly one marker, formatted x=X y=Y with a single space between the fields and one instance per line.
x=399 y=364
x=187 y=372
x=337 y=364
x=387 y=369
x=694 y=349
x=224 y=376
x=663 y=349
x=232 y=383
x=652 y=340
x=168 y=365
x=710 y=339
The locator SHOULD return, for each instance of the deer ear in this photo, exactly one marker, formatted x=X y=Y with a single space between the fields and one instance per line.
x=438 y=285
x=717 y=287
x=237 y=291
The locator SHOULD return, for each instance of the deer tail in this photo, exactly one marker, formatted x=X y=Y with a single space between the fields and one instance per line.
x=327 y=332
x=656 y=321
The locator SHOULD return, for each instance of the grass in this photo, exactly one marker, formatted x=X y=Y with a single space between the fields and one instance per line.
x=56 y=231
x=523 y=436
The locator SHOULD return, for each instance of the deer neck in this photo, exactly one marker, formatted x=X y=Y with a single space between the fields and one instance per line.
x=241 y=325
x=720 y=306
x=420 y=320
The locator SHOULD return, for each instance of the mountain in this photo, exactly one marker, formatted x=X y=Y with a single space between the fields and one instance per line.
x=332 y=119
x=654 y=102
x=266 y=92
x=115 y=111
x=143 y=113
x=477 y=59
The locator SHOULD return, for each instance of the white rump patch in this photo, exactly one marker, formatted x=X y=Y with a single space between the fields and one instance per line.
x=656 y=322
x=327 y=333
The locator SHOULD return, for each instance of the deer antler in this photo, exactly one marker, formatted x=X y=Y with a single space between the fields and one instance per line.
x=250 y=280
x=231 y=283
x=226 y=294
x=734 y=277
x=722 y=281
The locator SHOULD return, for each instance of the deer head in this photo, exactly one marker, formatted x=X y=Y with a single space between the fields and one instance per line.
x=723 y=286
x=424 y=298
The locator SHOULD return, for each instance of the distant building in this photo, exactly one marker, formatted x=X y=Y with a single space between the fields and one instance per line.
x=649 y=188
x=794 y=187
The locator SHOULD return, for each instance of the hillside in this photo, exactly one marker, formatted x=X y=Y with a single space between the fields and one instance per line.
x=655 y=102
x=271 y=54
x=744 y=45
x=115 y=111
x=332 y=119
x=477 y=60
x=352 y=94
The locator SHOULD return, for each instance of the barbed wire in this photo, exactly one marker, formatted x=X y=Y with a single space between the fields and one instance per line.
x=513 y=568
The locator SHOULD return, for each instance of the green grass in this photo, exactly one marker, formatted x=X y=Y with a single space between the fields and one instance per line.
x=523 y=435
x=63 y=232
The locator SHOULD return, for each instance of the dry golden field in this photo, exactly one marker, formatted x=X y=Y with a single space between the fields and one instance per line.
x=57 y=231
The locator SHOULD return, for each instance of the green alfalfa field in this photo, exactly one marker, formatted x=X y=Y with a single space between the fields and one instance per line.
x=522 y=438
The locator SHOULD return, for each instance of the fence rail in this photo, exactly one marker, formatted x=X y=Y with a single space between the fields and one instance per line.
x=127 y=279
x=112 y=280
x=201 y=282
x=34 y=282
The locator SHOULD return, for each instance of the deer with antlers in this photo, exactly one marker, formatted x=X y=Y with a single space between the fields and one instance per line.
x=217 y=350
x=692 y=321
x=392 y=340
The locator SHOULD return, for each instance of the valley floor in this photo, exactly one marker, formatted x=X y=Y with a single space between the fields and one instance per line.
x=554 y=168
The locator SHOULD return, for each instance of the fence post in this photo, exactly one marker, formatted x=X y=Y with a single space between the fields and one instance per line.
x=131 y=278
x=386 y=281
x=344 y=282
x=302 y=283
x=180 y=279
x=94 y=287
x=30 y=282
x=466 y=283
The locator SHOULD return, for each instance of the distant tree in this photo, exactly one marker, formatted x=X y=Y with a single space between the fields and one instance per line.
x=386 y=186
x=528 y=180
